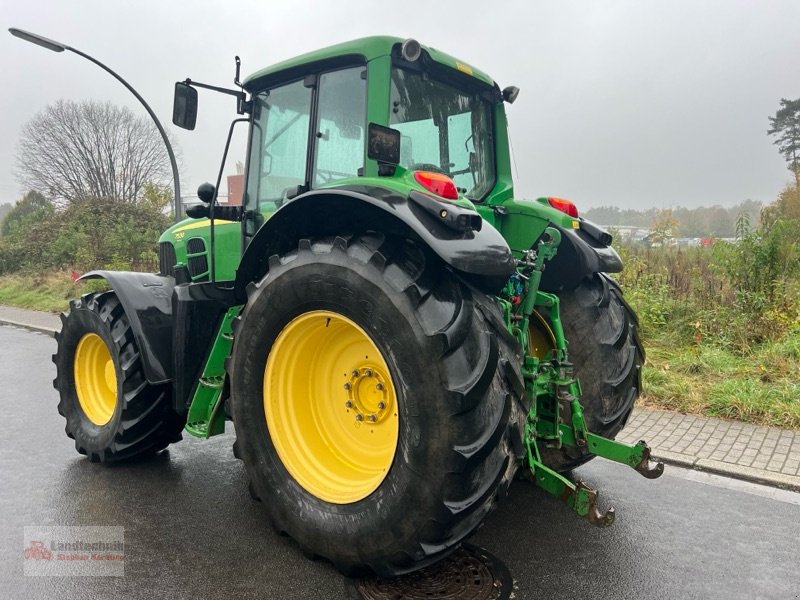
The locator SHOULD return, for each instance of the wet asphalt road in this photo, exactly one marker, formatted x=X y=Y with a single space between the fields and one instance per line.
x=191 y=529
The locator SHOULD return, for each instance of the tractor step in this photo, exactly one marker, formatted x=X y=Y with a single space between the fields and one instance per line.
x=205 y=415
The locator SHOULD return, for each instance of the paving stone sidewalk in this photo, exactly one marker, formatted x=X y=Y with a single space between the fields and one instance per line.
x=755 y=453
x=765 y=455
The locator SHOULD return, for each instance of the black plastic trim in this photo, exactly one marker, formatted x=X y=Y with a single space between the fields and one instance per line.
x=579 y=255
x=198 y=309
x=147 y=300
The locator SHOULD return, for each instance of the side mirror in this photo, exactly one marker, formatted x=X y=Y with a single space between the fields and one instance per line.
x=383 y=144
x=184 y=106
x=510 y=94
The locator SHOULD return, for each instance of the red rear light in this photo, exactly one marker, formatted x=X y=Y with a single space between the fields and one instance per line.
x=565 y=206
x=438 y=183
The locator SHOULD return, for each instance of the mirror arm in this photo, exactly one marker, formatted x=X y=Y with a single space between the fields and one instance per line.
x=211 y=205
x=242 y=105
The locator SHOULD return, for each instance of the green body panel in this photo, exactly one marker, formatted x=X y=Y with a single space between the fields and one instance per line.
x=402 y=182
x=227 y=244
x=378 y=98
x=522 y=222
x=228 y=235
x=503 y=189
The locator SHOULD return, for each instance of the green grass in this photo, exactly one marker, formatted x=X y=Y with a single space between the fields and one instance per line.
x=49 y=292
x=762 y=386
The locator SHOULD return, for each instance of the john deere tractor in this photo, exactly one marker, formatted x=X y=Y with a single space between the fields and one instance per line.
x=393 y=332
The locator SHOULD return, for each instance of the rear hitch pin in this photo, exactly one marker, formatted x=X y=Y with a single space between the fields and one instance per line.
x=594 y=516
x=645 y=468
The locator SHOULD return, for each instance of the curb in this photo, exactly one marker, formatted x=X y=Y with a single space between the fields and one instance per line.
x=717 y=467
x=37 y=328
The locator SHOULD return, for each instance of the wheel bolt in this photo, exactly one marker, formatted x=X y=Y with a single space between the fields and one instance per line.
x=349 y=404
x=356 y=373
x=381 y=405
x=359 y=417
x=373 y=417
x=347 y=386
x=368 y=372
x=379 y=386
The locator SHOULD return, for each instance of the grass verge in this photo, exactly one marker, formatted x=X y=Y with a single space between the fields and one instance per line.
x=50 y=292
x=762 y=386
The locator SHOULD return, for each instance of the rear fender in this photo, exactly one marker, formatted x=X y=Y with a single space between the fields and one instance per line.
x=479 y=254
x=582 y=253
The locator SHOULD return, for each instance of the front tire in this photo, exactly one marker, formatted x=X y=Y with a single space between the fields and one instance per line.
x=443 y=450
x=112 y=412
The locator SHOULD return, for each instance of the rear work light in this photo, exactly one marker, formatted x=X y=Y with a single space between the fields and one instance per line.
x=438 y=183
x=565 y=206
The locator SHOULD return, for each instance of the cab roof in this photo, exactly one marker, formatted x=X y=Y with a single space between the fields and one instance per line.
x=367 y=48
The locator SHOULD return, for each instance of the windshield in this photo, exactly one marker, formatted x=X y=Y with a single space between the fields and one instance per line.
x=443 y=129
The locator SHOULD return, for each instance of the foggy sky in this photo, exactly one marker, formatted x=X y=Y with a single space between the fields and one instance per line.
x=635 y=104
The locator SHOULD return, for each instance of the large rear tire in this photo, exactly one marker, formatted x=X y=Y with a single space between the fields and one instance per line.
x=112 y=412
x=373 y=326
x=604 y=347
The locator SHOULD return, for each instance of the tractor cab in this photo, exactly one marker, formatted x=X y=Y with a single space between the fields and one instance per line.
x=377 y=111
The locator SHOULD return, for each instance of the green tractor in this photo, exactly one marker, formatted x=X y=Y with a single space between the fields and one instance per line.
x=375 y=318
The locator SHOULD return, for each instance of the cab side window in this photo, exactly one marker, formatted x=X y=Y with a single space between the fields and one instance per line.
x=339 y=135
x=280 y=141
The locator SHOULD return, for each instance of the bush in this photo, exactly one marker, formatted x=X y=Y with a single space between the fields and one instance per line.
x=91 y=233
x=732 y=295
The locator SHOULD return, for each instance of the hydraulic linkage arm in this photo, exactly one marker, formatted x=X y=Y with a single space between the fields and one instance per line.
x=556 y=416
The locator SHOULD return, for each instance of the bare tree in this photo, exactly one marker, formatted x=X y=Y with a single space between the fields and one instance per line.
x=74 y=150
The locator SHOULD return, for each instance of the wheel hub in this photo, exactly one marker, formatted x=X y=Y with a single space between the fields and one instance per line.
x=368 y=397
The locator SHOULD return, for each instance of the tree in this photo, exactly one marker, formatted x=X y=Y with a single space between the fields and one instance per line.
x=663 y=227
x=787 y=206
x=5 y=208
x=786 y=126
x=27 y=233
x=103 y=233
x=73 y=151
x=32 y=206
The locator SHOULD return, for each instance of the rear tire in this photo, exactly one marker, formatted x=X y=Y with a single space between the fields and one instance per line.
x=452 y=367
x=112 y=412
x=607 y=354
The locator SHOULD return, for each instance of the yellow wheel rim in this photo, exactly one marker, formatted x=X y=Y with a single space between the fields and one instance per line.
x=541 y=339
x=331 y=407
x=95 y=379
